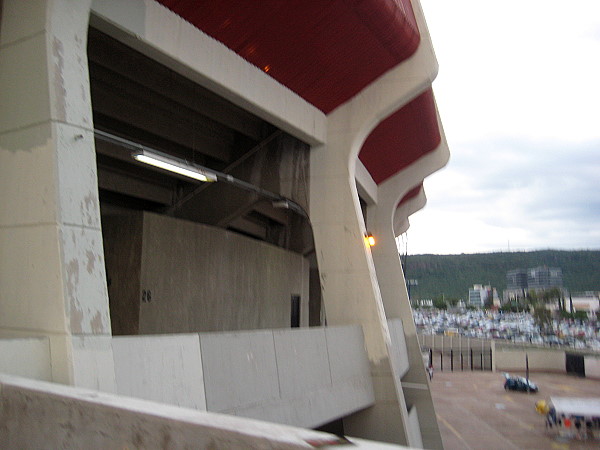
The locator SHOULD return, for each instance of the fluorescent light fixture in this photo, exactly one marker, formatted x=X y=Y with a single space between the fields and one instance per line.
x=174 y=165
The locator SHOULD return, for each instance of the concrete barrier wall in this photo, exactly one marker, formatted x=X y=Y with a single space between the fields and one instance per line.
x=26 y=357
x=304 y=377
x=36 y=414
x=164 y=368
x=539 y=361
x=592 y=367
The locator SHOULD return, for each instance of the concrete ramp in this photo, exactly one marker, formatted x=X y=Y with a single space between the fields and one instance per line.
x=37 y=414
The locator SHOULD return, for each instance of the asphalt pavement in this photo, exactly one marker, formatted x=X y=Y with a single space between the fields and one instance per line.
x=475 y=412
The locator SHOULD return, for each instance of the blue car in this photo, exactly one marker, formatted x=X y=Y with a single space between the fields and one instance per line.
x=522 y=384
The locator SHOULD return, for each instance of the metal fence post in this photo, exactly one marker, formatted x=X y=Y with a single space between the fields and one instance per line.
x=471 y=359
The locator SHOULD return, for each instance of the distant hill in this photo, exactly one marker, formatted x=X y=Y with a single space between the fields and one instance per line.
x=453 y=275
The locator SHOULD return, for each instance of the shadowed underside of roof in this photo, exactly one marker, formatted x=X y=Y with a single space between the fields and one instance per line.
x=327 y=52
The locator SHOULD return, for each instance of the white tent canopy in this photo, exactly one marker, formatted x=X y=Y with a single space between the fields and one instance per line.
x=573 y=406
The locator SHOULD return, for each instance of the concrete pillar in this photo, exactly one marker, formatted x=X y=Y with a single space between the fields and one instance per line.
x=385 y=218
x=350 y=286
x=52 y=276
x=381 y=219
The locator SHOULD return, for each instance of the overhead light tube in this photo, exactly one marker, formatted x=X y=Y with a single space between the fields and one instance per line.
x=173 y=165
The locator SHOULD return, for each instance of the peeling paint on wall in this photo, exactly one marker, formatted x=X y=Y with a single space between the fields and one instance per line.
x=73 y=307
x=91 y=261
x=34 y=139
x=89 y=208
x=59 y=83
x=97 y=324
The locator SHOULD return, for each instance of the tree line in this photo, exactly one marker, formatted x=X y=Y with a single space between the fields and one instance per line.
x=451 y=276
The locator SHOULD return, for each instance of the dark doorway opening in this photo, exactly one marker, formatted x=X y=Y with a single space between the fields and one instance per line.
x=295 y=311
x=575 y=364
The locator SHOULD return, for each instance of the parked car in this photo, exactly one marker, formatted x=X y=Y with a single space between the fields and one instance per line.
x=522 y=384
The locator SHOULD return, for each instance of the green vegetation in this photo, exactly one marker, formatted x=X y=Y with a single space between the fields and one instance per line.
x=451 y=276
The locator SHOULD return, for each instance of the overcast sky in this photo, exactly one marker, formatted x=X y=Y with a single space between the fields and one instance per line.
x=519 y=96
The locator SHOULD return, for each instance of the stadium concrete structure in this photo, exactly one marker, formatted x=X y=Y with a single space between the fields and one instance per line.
x=254 y=295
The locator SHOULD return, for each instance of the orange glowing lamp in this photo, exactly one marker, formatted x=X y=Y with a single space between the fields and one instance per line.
x=369 y=240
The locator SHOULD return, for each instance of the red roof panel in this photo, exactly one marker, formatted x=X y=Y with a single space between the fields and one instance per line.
x=325 y=51
x=402 y=138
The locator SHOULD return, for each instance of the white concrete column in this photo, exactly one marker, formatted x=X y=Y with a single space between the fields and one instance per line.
x=409 y=207
x=381 y=219
x=350 y=286
x=52 y=276
x=385 y=215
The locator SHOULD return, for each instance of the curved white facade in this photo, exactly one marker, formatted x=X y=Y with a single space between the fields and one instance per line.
x=53 y=282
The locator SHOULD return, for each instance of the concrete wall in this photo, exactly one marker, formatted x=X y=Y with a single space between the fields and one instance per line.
x=26 y=357
x=165 y=369
x=36 y=414
x=439 y=342
x=539 y=361
x=122 y=238
x=303 y=377
x=199 y=278
x=507 y=357
x=592 y=367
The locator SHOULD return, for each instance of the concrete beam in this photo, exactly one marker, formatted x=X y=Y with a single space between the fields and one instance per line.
x=36 y=414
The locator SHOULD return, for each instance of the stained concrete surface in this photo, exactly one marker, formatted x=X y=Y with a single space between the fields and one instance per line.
x=475 y=412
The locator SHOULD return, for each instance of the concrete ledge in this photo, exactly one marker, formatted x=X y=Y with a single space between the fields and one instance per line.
x=36 y=414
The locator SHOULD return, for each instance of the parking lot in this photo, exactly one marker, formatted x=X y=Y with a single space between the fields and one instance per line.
x=475 y=412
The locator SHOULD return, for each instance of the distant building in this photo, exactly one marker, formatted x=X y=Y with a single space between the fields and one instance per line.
x=480 y=295
x=521 y=281
x=589 y=302
x=423 y=303
x=543 y=278
x=516 y=280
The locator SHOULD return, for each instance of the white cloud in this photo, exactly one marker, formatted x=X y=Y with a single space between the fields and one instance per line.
x=517 y=66
x=519 y=97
